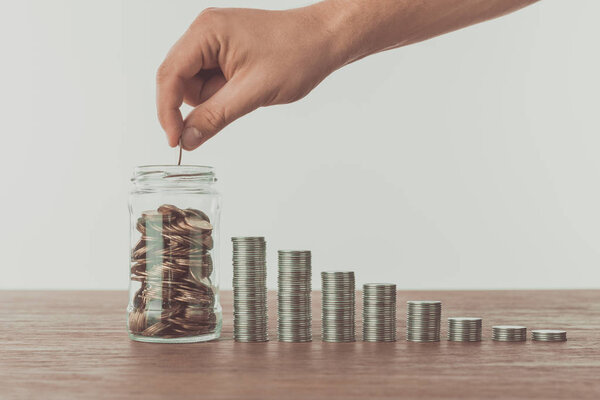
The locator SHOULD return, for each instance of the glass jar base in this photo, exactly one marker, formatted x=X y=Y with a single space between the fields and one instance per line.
x=188 y=339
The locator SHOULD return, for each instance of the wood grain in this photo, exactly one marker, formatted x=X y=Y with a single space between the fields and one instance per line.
x=73 y=345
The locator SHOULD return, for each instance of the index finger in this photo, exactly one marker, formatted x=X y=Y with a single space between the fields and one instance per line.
x=183 y=61
x=169 y=97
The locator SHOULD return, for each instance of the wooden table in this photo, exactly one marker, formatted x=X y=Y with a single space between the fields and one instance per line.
x=73 y=345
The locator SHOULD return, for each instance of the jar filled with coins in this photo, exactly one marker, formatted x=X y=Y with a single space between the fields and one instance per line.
x=173 y=286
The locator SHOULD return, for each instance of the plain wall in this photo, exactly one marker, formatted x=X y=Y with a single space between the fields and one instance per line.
x=468 y=161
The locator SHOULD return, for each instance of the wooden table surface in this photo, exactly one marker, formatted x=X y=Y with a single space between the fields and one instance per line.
x=73 y=345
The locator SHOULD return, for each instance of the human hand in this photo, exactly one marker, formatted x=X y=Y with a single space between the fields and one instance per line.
x=233 y=61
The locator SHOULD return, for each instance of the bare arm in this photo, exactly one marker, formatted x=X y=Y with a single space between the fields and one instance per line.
x=367 y=27
x=233 y=61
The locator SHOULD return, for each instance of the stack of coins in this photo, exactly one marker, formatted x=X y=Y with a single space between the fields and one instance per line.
x=549 y=335
x=338 y=306
x=294 y=322
x=379 y=312
x=249 y=289
x=423 y=321
x=509 y=333
x=464 y=329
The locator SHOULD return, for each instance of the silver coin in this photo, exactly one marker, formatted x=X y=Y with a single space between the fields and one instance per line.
x=423 y=320
x=338 y=306
x=294 y=322
x=249 y=289
x=464 y=329
x=379 y=312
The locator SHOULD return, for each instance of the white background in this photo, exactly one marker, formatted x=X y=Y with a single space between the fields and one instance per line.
x=468 y=161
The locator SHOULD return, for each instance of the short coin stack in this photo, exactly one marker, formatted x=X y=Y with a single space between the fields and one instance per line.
x=338 y=306
x=509 y=333
x=423 y=321
x=464 y=329
x=249 y=289
x=294 y=322
x=379 y=312
x=549 y=335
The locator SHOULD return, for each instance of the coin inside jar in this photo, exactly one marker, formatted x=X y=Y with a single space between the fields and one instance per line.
x=172 y=262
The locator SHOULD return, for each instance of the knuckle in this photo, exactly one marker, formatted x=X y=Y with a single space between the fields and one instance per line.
x=213 y=120
x=210 y=22
x=208 y=15
x=162 y=73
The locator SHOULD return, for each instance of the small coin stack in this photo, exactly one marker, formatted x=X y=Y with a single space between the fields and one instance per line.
x=379 y=312
x=464 y=329
x=294 y=322
x=423 y=321
x=549 y=335
x=509 y=333
x=249 y=289
x=338 y=306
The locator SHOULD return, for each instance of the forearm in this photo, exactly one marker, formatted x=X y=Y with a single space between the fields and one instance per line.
x=362 y=27
x=233 y=61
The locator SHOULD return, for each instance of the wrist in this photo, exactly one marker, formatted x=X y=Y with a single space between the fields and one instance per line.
x=353 y=28
x=336 y=31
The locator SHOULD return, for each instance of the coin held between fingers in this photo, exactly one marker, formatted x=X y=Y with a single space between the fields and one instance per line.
x=180 y=152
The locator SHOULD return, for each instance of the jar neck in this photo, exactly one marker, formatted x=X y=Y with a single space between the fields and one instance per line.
x=174 y=177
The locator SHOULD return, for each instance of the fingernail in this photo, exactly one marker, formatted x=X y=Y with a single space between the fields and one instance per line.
x=191 y=138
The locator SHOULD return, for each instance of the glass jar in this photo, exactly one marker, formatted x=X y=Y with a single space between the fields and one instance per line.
x=174 y=265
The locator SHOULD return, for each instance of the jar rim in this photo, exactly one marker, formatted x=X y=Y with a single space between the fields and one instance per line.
x=174 y=173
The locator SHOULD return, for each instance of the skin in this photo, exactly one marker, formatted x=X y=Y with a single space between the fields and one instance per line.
x=232 y=61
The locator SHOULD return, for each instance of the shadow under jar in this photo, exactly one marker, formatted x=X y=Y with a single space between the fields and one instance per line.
x=173 y=285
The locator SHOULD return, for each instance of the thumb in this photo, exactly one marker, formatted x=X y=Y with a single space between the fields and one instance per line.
x=233 y=100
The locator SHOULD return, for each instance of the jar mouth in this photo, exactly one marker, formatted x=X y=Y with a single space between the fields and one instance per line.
x=174 y=173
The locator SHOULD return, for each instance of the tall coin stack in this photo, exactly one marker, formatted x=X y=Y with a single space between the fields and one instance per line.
x=294 y=322
x=338 y=306
x=379 y=312
x=423 y=321
x=509 y=333
x=549 y=335
x=249 y=289
x=464 y=329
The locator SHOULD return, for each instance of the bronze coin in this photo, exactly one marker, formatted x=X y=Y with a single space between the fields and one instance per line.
x=172 y=261
x=189 y=212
